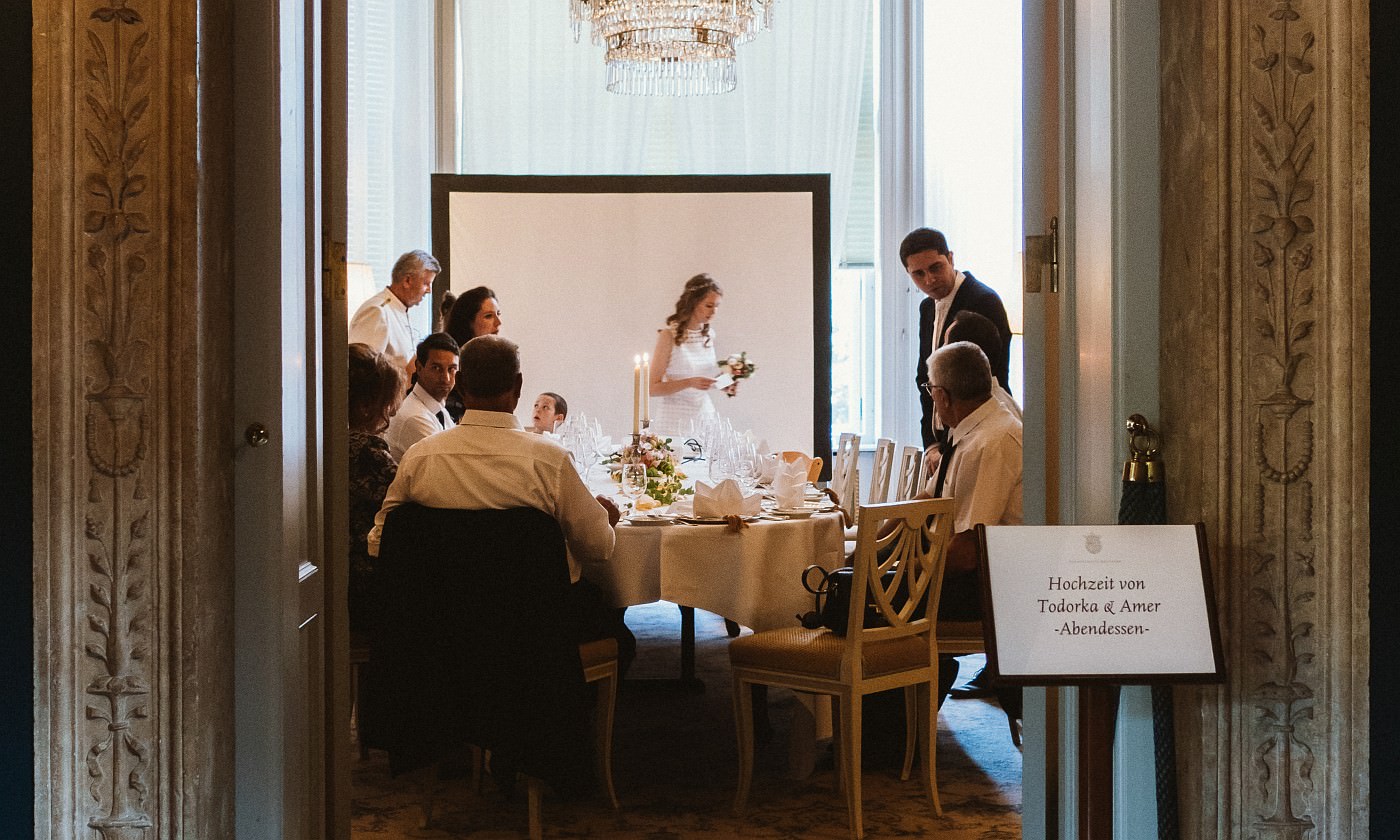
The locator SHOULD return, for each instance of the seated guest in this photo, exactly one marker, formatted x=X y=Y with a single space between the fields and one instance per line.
x=445 y=310
x=981 y=471
x=382 y=321
x=376 y=389
x=474 y=313
x=423 y=412
x=488 y=462
x=550 y=410
x=978 y=329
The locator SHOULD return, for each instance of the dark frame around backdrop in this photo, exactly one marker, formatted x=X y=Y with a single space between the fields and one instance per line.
x=760 y=282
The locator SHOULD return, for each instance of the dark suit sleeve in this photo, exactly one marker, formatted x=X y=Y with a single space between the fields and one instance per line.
x=926 y=319
x=975 y=296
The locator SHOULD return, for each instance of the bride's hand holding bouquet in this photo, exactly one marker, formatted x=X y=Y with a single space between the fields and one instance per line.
x=737 y=366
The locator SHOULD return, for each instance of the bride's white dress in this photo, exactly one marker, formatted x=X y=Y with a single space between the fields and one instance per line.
x=691 y=357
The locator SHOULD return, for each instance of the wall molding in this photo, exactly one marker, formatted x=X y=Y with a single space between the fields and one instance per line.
x=1266 y=114
x=132 y=535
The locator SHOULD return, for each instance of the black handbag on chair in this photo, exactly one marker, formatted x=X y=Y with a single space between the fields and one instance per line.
x=833 y=599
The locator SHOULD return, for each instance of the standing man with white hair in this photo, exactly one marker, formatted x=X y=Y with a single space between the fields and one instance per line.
x=382 y=321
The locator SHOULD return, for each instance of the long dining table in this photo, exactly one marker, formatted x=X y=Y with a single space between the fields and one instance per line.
x=752 y=577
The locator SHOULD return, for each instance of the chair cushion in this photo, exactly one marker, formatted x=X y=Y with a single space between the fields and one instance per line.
x=597 y=652
x=818 y=653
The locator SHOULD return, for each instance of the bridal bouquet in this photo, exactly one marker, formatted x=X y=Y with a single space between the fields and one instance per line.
x=738 y=366
x=664 y=478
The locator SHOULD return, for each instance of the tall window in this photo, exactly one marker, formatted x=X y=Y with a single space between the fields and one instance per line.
x=972 y=144
x=967 y=126
x=390 y=145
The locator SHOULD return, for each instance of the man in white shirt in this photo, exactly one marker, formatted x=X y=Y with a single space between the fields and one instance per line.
x=423 y=411
x=488 y=462
x=982 y=472
x=382 y=321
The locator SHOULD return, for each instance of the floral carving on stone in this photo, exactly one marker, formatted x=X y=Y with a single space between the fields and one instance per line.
x=1281 y=587
x=114 y=96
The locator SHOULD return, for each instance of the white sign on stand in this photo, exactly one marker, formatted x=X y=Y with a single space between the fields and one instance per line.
x=1070 y=604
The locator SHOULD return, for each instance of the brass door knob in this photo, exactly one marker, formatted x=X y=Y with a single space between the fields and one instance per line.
x=257 y=435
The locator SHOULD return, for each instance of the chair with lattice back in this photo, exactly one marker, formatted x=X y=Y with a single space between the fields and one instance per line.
x=909 y=539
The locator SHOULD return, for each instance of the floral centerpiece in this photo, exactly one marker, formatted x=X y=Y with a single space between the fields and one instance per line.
x=738 y=366
x=664 y=477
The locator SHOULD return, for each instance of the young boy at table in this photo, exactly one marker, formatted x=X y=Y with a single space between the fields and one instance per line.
x=549 y=412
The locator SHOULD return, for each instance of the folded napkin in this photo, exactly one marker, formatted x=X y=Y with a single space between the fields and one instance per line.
x=725 y=499
x=768 y=468
x=790 y=483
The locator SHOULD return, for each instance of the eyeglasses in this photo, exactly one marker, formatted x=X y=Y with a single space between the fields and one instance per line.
x=929 y=388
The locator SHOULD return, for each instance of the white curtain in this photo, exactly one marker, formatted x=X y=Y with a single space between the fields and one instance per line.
x=390 y=139
x=531 y=101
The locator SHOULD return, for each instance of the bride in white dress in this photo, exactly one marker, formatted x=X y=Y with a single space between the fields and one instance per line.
x=684 y=365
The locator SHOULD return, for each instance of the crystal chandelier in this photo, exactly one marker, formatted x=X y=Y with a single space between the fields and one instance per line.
x=671 y=47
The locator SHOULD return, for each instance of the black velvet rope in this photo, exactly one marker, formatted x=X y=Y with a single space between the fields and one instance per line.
x=1145 y=503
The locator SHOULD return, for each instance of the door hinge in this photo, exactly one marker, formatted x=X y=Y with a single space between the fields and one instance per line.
x=334 y=270
x=1042 y=254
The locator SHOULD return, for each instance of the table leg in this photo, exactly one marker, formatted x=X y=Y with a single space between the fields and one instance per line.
x=688 y=679
x=687 y=682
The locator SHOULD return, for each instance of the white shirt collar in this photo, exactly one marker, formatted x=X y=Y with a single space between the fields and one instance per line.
x=496 y=419
x=392 y=300
x=434 y=405
x=973 y=420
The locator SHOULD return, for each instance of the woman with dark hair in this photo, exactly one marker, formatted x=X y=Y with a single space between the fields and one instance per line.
x=684 y=365
x=376 y=390
x=475 y=312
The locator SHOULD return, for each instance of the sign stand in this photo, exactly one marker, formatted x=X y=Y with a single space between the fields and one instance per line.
x=1099 y=607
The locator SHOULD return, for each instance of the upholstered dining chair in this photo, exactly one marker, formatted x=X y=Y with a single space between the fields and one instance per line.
x=477 y=647
x=814 y=464
x=909 y=539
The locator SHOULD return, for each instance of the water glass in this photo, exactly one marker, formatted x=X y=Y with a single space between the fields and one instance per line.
x=634 y=482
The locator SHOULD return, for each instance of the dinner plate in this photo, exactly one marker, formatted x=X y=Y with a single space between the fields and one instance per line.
x=709 y=520
x=794 y=513
x=649 y=519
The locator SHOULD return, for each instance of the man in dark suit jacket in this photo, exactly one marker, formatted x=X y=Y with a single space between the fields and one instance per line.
x=926 y=257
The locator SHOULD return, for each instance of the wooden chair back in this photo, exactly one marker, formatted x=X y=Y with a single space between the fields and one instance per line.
x=881 y=472
x=911 y=470
x=910 y=539
x=844 y=479
x=814 y=464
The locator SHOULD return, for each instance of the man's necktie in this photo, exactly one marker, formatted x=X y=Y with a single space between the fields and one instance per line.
x=442 y=419
x=943 y=469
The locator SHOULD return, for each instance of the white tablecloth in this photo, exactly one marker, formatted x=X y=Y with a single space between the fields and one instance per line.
x=753 y=577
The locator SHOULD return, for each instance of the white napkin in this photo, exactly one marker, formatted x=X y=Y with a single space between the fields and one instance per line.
x=725 y=499
x=790 y=483
x=768 y=469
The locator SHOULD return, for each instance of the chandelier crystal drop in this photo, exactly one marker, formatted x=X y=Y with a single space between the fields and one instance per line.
x=671 y=47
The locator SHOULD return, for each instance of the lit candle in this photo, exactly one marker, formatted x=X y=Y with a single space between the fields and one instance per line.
x=646 y=389
x=636 y=391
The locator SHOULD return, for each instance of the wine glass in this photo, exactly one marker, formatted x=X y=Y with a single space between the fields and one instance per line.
x=722 y=460
x=634 y=482
x=747 y=466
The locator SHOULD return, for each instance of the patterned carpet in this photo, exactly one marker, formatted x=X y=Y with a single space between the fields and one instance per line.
x=675 y=769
